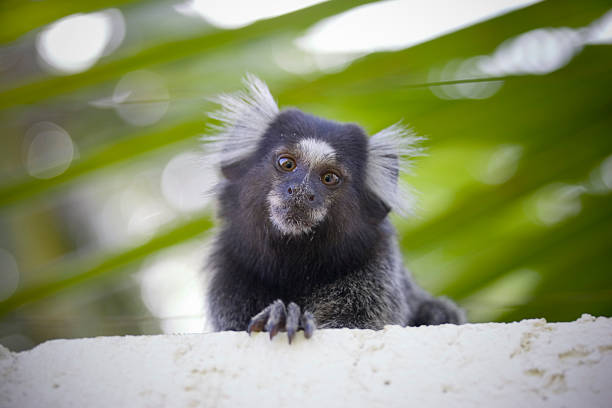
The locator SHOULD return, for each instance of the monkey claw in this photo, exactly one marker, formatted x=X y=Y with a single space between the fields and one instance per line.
x=276 y=317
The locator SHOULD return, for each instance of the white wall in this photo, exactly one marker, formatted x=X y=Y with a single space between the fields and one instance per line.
x=526 y=364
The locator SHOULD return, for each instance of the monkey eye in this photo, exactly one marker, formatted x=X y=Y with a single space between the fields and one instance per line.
x=330 y=179
x=286 y=163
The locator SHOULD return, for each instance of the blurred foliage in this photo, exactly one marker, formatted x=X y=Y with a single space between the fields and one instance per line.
x=18 y=17
x=533 y=242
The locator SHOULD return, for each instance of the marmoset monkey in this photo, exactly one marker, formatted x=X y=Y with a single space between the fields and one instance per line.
x=305 y=240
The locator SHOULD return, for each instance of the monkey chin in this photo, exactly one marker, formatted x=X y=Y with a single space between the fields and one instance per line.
x=293 y=221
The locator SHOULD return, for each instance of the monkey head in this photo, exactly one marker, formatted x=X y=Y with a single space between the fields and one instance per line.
x=295 y=174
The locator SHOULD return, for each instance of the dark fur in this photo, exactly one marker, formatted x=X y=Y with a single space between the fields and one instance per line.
x=347 y=271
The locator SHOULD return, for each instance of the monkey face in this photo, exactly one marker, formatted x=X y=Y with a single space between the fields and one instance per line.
x=308 y=177
x=293 y=174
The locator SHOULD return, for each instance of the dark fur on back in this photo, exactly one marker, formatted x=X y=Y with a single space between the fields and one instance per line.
x=345 y=269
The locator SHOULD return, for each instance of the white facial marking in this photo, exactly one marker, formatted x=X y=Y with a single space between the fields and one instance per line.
x=287 y=226
x=275 y=203
x=318 y=214
x=314 y=152
x=274 y=199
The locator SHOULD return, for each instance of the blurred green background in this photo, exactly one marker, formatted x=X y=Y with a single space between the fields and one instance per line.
x=104 y=224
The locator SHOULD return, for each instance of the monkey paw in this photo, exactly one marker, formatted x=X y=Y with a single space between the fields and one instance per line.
x=438 y=311
x=276 y=317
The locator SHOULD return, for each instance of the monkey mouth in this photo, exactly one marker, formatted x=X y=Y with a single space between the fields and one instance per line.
x=293 y=217
x=295 y=220
x=291 y=220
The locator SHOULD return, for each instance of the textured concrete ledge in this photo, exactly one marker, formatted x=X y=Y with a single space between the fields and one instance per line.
x=530 y=363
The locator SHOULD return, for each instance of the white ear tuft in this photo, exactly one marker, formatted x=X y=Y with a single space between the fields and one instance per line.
x=244 y=116
x=388 y=156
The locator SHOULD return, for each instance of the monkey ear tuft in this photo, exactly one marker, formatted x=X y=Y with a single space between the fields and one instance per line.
x=389 y=154
x=245 y=117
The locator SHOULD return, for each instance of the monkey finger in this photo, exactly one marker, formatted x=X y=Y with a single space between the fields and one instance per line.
x=277 y=318
x=293 y=320
x=258 y=321
x=308 y=324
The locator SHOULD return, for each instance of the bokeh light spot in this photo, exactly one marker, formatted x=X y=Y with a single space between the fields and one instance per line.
x=75 y=43
x=50 y=150
x=398 y=24
x=238 y=13
x=186 y=181
x=600 y=32
x=606 y=172
x=502 y=164
x=141 y=98
x=536 y=52
x=172 y=289
x=557 y=202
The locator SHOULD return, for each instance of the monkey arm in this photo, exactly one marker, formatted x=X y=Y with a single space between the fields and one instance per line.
x=428 y=310
x=434 y=311
x=365 y=299
x=370 y=300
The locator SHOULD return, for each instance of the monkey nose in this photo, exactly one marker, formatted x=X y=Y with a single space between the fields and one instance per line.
x=299 y=192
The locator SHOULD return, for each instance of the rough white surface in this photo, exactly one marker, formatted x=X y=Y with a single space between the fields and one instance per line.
x=526 y=364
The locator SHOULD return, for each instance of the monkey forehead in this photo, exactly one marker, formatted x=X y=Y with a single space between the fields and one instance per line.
x=315 y=152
